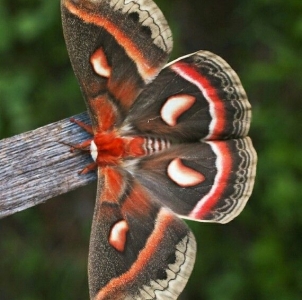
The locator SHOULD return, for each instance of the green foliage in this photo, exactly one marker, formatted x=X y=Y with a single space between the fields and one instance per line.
x=259 y=255
x=35 y=71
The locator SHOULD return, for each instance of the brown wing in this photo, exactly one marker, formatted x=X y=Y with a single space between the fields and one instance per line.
x=116 y=48
x=138 y=249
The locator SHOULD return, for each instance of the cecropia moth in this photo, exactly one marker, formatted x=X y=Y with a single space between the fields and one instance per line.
x=169 y=141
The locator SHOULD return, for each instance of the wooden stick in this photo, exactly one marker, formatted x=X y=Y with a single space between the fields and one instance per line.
x=38 y=165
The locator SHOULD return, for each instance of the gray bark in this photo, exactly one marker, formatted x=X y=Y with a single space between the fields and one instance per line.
x=37 y=165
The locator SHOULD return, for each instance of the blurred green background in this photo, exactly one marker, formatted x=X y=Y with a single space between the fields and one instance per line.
x=43 y=250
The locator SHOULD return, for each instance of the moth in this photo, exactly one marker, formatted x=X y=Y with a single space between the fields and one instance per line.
x=169 y=142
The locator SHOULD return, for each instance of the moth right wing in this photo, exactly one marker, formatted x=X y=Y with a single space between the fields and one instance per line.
x=116 y=48
x=196 y=97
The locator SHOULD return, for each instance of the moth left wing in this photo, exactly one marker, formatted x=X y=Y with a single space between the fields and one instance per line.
x=197 y=97
x=204 y=181
x=138 y=249
x=116 y=47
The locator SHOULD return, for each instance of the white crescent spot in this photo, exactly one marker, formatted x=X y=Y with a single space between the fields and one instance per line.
x=99 y=63
x=118 y=235
x=175 y=106
x=183 y=175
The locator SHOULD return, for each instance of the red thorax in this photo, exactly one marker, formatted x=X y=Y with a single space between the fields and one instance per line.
x=111 y=148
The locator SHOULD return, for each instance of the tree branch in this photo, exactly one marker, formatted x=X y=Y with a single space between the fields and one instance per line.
x=37 y=165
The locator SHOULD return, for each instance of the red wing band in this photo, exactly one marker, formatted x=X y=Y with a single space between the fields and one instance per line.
x=143 y=65
x=216 y=106
x=224 y=167
x=177 y=273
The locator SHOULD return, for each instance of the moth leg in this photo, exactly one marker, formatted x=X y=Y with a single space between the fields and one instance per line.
x=89 y=168
x=86 y=127
x=84 y=146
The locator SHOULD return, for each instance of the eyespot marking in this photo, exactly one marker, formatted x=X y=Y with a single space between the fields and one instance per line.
x=118 y=235
x=100 y=64
x=175 y=106
x=183 y=175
